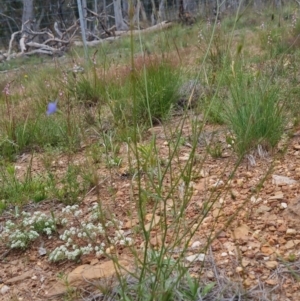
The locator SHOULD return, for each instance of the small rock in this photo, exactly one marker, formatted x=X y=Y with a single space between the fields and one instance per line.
x=195 y=257
x=271 y=264
x=218 y=184
x=291 y=231
x=277 y=196
x=289 y=245
x=4 y=289
x=207 y=219
x=255 y=200
x=282 y=228
x=204 y=173
x=239 y=269
x=272 y=281
x=263 y=208
x=195 y=227
x=241 y=232
x=281 y=180
x=248 y=282
x=283 y=205
x=210 y=274
x=184 y=158
x=224 y=254
x=234 y=193
x=156 y=241
x=239 y=182
x=216 y=212
x=267 y=250
x=196 y=244
x=245 y=262
x=42 y=251
x=22 y=277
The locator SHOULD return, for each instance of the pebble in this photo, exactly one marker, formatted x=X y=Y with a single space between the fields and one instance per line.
x=239 y=269
x=195 y=257
x=283 y=205
x=271 y=264
x=210 y=274
x=291 y=231
x=196 y=244
x=4 y=289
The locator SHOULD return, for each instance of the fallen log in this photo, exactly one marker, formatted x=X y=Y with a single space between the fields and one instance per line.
x=118 y=34
x=159 y=26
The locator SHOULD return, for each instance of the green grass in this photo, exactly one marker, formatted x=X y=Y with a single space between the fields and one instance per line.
x=156 y=89
x=254 y=113
x=37 y=134
x=16 y=191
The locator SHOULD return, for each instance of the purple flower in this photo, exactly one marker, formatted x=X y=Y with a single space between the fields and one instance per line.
x=52 y=108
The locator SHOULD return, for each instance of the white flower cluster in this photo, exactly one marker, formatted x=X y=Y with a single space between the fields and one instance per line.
x=17 y=238
x=121 y=239
x=81 y=238
x=88 y=231
x=74 y=210
x=95 y=214
x=62 y=252
x=40 y=222
x=200 y=36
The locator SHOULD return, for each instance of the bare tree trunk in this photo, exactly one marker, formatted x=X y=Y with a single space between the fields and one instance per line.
x=153 y=14
x=257 y=4
x=95 y=7
x=27 y=15
x=27 y=19
x=105 y=13
x=120 y=24
x=139 y=10
x=190 y=6
x=222 y=4
x=125 y=8
x=161 y=11
x=136 y=16
x=84 y=12
x=278 y=4
x=143 y=12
